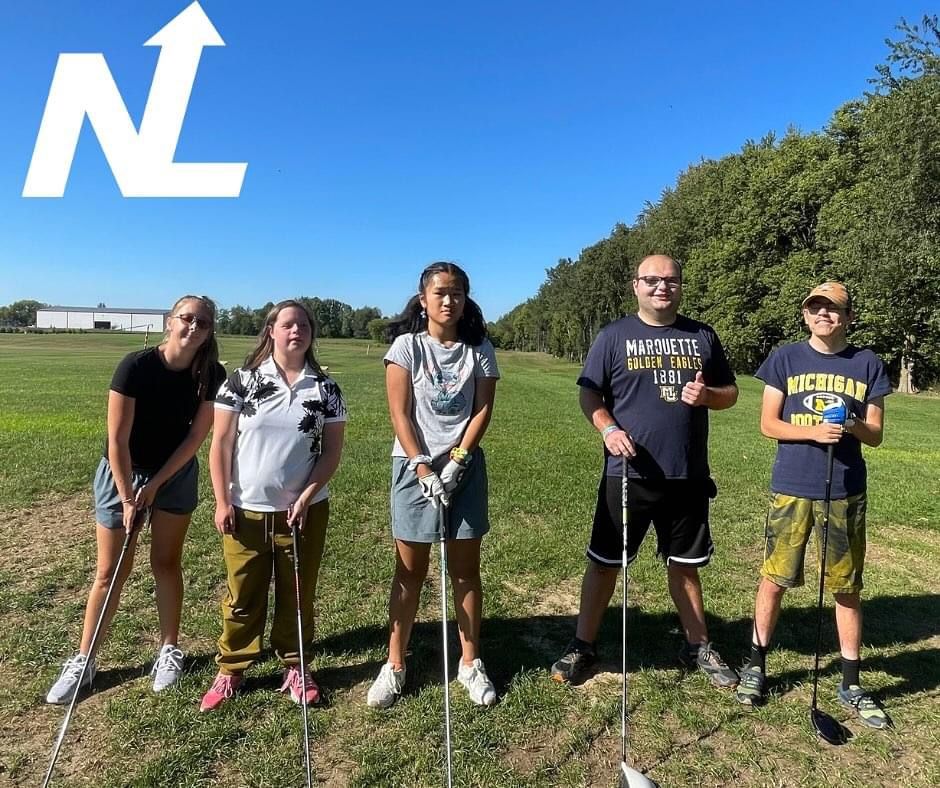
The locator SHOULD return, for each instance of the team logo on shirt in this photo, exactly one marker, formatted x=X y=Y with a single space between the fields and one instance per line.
x=820 y=400
x=669 y=393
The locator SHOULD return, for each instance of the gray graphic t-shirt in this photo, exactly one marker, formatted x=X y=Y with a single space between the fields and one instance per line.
x=444 y=382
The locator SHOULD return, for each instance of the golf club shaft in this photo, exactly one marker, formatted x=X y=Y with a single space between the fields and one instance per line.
x=442 y=517
x=830 y=451
x=128 y=537
x=624 y=500
x=300 y=654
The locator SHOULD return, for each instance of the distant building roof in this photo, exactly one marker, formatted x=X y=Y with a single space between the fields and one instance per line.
x=104 y=310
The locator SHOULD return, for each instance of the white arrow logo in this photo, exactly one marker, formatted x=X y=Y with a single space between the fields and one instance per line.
x=142 y=163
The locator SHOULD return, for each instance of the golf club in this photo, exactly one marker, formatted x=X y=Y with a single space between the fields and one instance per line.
x=442 y=522
x=139 y=519
x=629 y=777
x=828 y=728
x=300 y=653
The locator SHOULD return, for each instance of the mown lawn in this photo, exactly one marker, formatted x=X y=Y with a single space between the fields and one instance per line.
x=543 y=460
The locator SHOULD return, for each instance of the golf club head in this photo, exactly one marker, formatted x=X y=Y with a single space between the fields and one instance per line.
x=829 y=729
x=631 y=778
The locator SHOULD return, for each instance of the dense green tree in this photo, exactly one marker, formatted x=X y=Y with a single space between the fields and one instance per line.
x=20 y=314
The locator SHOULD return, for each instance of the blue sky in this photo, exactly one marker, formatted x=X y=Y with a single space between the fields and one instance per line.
x=382 y=136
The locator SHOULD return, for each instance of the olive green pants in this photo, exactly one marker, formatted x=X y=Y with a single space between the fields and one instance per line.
x=260 y=546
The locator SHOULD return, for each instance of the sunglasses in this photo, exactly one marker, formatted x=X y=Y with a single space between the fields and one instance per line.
x=671 y=282
x=194 y=320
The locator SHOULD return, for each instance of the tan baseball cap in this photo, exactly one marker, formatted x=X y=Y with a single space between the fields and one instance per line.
x=833 y=292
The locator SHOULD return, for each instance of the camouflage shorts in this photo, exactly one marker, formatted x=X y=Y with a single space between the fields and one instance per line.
x=789 y=523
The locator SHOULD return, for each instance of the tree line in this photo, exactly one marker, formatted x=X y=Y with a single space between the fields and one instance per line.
x=858 y=201
x=334 y=318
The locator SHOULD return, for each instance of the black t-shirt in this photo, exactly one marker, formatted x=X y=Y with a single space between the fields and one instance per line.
x=640 y=370
x=165 y=403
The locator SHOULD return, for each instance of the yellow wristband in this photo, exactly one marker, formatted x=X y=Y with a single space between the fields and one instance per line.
x=459 y=455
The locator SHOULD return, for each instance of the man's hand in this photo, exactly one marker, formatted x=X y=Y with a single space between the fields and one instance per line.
x=695 y=392
x=225 y=518
x=619 y=443
x=826 y=433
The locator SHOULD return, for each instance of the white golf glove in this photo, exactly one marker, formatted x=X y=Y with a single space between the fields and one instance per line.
x=433 y=489
x=451 y=475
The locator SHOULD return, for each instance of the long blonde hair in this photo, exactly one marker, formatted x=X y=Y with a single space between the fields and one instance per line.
x=207 y=356
x=265 y=345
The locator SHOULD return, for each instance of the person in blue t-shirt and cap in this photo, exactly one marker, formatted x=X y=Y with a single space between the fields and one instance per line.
x=647 y=385
x=819 y=393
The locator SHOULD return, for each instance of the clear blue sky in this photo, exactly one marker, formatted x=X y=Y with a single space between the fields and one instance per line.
x=382 y=136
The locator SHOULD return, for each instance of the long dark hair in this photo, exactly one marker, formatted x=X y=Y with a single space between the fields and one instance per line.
x=207 y=357
x=265 y=346
x=471 y=328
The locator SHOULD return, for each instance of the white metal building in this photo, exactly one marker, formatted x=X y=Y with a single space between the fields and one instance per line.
x=101 y=318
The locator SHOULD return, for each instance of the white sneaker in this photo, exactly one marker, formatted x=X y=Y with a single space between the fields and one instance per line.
x=168 y=668
x=65 y=686
x=478 y=684
x=386 y=688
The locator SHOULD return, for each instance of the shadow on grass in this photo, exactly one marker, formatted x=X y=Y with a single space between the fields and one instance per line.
x=515 y=645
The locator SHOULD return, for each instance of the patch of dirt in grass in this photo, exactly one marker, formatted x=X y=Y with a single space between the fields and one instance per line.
x=27 y=550
x=561 y=599
x=29 y=738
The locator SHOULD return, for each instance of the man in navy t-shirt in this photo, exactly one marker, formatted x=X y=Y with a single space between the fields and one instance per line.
x=802 y=380
x=647 y=386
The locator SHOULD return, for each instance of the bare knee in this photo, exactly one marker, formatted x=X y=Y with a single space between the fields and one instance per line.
x=410 y=577
x=601 y=572
x=165 y=565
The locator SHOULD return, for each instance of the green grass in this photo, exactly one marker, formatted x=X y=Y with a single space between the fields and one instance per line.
x=544 y=461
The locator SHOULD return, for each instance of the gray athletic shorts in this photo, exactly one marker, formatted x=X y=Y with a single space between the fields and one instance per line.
x=179 y=495
x=415 y=520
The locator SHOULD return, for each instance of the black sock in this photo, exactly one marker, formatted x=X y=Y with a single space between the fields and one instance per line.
x=693 y=648
x=850 y=668
x=758 y=658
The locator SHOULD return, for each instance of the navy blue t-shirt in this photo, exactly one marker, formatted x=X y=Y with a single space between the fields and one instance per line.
x=640 y=370
x=810 y=381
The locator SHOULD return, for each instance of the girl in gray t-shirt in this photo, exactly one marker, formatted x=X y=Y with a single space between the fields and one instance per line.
x=441 y=377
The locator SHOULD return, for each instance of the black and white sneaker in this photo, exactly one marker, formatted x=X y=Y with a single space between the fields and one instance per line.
x=709 y=661
x=575 y=662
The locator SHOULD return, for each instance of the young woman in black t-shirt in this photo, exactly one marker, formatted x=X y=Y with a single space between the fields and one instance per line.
x=159 y=413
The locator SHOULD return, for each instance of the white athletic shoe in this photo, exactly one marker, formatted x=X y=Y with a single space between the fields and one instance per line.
x=386 y=688
x=478 y=684
x=65 y=686
x=168 y=668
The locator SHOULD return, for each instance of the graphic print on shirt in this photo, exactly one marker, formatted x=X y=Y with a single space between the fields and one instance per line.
x=448 y=399
x=824 y=389
x=254 y=391
x=670 y=361
x=316 y=411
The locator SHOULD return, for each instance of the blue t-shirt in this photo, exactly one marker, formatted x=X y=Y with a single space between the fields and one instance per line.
x=640 y=370
x=810 y=381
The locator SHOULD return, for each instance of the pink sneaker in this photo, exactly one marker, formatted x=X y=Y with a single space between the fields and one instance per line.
x=221 y=690
x=292 y=684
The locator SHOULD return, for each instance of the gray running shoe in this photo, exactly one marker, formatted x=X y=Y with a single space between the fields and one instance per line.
x=67 y=683
x=575 y=662
x=751 y=686
x=865 y=706
x=709 y=661
x=168 y=668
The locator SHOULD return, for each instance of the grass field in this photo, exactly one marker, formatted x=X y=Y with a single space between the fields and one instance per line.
x=544 y=461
